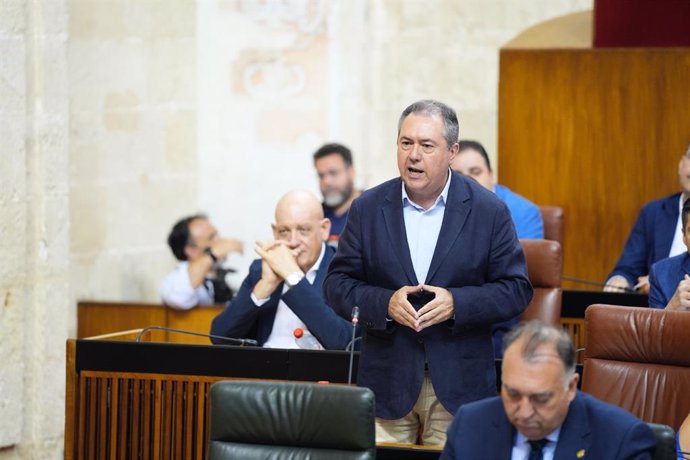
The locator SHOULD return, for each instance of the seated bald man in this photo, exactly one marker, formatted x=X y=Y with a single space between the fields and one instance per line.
x=540 y=413
x=280 y=303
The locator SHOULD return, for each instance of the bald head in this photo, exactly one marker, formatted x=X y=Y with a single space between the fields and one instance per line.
x=299 y=221
x=300 y=201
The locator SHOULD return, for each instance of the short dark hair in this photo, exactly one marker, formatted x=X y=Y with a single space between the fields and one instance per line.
x=536 y=334
x=685 y=213
x=179 y=236
x=467 y=144
x=334 y=149
x=429 y=107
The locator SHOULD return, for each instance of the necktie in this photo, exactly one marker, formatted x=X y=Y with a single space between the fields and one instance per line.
x=536 y=448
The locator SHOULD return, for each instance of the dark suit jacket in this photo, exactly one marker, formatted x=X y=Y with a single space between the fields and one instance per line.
x=243 y=319
x=650 y=239
x=477 y=258
x=664 y=278
x=481 y=431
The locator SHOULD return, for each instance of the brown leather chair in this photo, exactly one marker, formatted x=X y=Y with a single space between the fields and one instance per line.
x=639 y=359
x=545 y=270
x=553 y=222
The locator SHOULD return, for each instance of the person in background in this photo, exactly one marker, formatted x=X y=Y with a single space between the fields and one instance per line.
x=657 y=234
x=540 y=414
x=432 y=261
x=333 y=163
x=669 y=279
x=199 y=278
x=473 y=161
x=282 y=292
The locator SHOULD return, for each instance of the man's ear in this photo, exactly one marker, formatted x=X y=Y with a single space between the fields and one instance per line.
x=454 y=149
x=325 y=227
x=572 y=386
x=188 y=252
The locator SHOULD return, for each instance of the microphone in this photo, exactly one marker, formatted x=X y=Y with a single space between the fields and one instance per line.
x=355 y=320
x=597 y=283
x=232 y=340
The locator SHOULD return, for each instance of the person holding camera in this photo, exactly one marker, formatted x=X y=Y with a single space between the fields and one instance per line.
x=199 y=278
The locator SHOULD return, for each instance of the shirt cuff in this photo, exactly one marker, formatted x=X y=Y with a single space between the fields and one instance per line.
x=258 y=302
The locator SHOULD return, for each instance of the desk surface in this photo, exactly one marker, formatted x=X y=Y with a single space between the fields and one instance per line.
x=575 y=302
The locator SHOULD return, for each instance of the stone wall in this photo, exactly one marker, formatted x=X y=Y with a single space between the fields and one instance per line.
x=34 y=224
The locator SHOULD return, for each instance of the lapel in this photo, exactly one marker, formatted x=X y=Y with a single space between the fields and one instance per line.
x=685 y=264
x=666 y=227
x=574 y=437
x=323 y=268
x=395 y=226
x=503 y=431
x=458 y=208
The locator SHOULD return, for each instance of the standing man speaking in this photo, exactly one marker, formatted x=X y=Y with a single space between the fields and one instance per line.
x=432 y=261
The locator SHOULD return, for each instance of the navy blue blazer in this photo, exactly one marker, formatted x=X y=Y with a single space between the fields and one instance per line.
x=597 y=430
x=477 y=258
x=243 y=319
x=664 y=278
x=650 y=239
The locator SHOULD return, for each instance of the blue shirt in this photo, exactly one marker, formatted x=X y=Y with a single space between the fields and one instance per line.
x=526 y=215
x=423 y=227
x=337 y=222
x=521 y=447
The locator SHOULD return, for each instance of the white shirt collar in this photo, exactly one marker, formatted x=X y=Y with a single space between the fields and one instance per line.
x=551 y=437
x=311 y=273
x=442 y=198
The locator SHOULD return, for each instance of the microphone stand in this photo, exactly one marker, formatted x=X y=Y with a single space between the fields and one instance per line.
x=240 y=342
x=355 y=320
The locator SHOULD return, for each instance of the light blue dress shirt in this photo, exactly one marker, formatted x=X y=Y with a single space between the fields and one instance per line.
x=521 y=448
x=423 y=227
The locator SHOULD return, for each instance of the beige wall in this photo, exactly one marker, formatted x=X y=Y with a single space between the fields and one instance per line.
x=119 y=116
x=34 y=226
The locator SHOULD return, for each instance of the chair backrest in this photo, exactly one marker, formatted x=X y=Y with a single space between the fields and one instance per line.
x=288 y=420
x=665 y=442
x=553 y=222
x=545 y=271
x=638 y=359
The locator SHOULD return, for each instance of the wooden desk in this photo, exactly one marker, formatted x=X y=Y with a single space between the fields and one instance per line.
x=149 y=400
x=98 y=318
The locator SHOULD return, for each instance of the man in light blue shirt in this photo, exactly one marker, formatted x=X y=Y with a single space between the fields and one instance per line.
x=473 y=161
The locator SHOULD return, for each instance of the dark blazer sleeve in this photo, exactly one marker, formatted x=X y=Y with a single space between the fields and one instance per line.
x=239 y=317
x=657 y=299
x=506 y=290
x=332 y=331
x=346 y=287
x=650 y=239
x=633 y=261
x=637 y=444
x=480 y=430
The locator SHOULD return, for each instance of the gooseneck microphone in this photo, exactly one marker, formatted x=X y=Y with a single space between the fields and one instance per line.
x=232 y=340
x=354 y=320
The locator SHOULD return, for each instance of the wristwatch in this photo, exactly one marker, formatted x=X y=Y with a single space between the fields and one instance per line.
x=293 y=278
x=210 y=253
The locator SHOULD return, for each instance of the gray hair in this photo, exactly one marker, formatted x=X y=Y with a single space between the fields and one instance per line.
x=429 y=107
x=536 y=334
